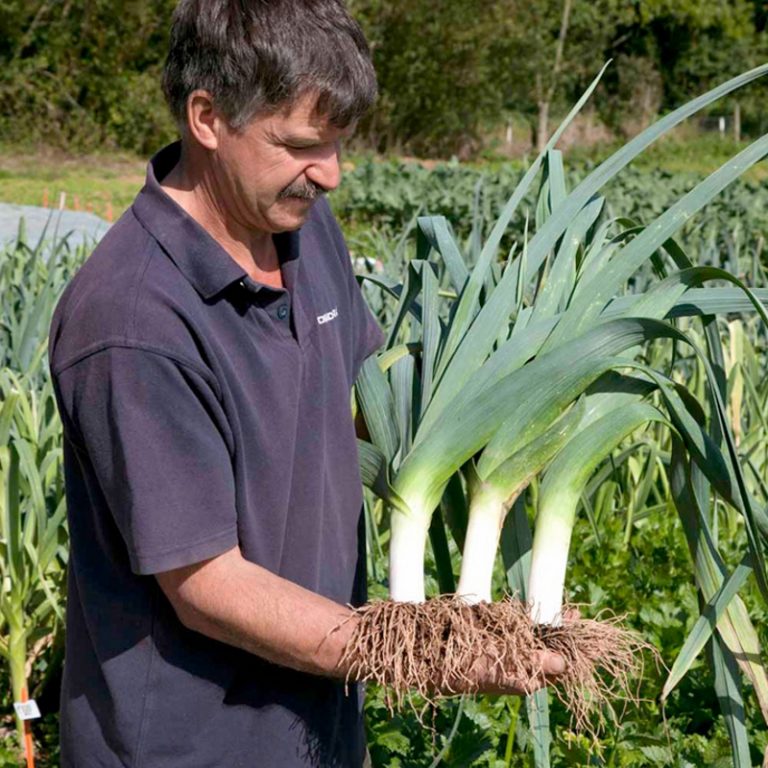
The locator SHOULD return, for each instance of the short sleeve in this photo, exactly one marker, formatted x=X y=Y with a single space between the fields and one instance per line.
x=155 y=433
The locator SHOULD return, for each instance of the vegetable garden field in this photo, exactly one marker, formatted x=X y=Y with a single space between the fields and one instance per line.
x=623 y=308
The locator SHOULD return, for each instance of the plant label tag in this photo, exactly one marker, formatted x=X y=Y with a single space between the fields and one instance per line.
x=27 y=710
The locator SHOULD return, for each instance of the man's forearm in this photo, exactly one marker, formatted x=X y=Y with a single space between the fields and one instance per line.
x=237 y=602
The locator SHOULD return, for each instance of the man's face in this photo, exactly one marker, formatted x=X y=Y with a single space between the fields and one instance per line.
x=270 y=172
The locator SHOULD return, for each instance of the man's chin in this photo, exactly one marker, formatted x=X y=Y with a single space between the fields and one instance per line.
x=292 y=216
x=299 y=202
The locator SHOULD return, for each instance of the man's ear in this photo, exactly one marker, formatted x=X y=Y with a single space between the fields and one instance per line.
x=203 y=121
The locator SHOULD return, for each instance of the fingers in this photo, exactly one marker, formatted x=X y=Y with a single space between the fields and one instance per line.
x=484 y=677
x=572 y=614
x=549 y=667
x=552 y=664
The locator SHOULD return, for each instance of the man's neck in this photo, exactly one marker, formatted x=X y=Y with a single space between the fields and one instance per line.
x=254 y=251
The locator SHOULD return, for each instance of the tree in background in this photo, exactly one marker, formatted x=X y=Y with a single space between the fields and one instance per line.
x=546 y=52
x=448 y=70
x=79 y=74
x=699 y=44
x=662 y=52
x=83 y=73
x=435 y=74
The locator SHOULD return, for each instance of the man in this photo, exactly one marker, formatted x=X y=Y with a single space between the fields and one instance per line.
x=203 y=359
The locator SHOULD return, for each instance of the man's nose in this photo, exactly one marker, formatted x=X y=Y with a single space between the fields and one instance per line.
x=326 y=170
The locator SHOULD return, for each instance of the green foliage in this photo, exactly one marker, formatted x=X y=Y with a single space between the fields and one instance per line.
x=433 y=68
x=632 y=492
x=646 y=578
x=378 y=201
x=698 y=44
x=33 y=533
x=82 y=75
x=452 y=73
x=525 y=49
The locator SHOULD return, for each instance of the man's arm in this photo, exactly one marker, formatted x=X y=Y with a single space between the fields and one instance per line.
x=240 y=603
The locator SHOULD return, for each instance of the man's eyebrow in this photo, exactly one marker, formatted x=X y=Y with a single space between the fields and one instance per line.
x=301 y=141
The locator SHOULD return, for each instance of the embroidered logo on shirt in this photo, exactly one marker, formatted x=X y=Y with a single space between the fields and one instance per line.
x=327 y=317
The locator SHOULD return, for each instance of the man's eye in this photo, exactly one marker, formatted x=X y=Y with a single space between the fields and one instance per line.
x=310 y=147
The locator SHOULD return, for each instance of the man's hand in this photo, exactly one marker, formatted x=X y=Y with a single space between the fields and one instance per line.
x=484 y=677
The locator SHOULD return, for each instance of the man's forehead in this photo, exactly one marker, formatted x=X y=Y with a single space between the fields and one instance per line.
x=304 y=106
x=306 y=113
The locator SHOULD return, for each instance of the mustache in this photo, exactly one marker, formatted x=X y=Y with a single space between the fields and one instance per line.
x=304 y=190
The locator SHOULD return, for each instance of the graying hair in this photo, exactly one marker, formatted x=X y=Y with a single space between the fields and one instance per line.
x=260 y=56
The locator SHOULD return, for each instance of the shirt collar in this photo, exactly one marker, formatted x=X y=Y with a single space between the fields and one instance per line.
x=201 y=259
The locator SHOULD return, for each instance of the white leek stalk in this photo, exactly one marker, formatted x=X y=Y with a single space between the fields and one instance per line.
x=486 y=516
x=549 y=559
x=561 y=490
x=408 y=536
x=490 y=501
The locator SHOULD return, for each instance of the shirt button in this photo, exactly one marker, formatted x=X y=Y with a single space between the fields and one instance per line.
x=282 y=311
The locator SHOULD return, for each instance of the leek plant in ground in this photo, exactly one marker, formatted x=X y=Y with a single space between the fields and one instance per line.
x=561 y=492
x=33 y=537
x=471 y=400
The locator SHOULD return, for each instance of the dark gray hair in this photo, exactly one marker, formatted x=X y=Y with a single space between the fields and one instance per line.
x=258 y=56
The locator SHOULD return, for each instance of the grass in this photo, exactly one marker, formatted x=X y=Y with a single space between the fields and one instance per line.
x=683 y=152
x=102 y=183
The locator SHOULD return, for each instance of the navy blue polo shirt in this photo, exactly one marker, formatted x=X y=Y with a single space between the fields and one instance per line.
x=201 y=411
